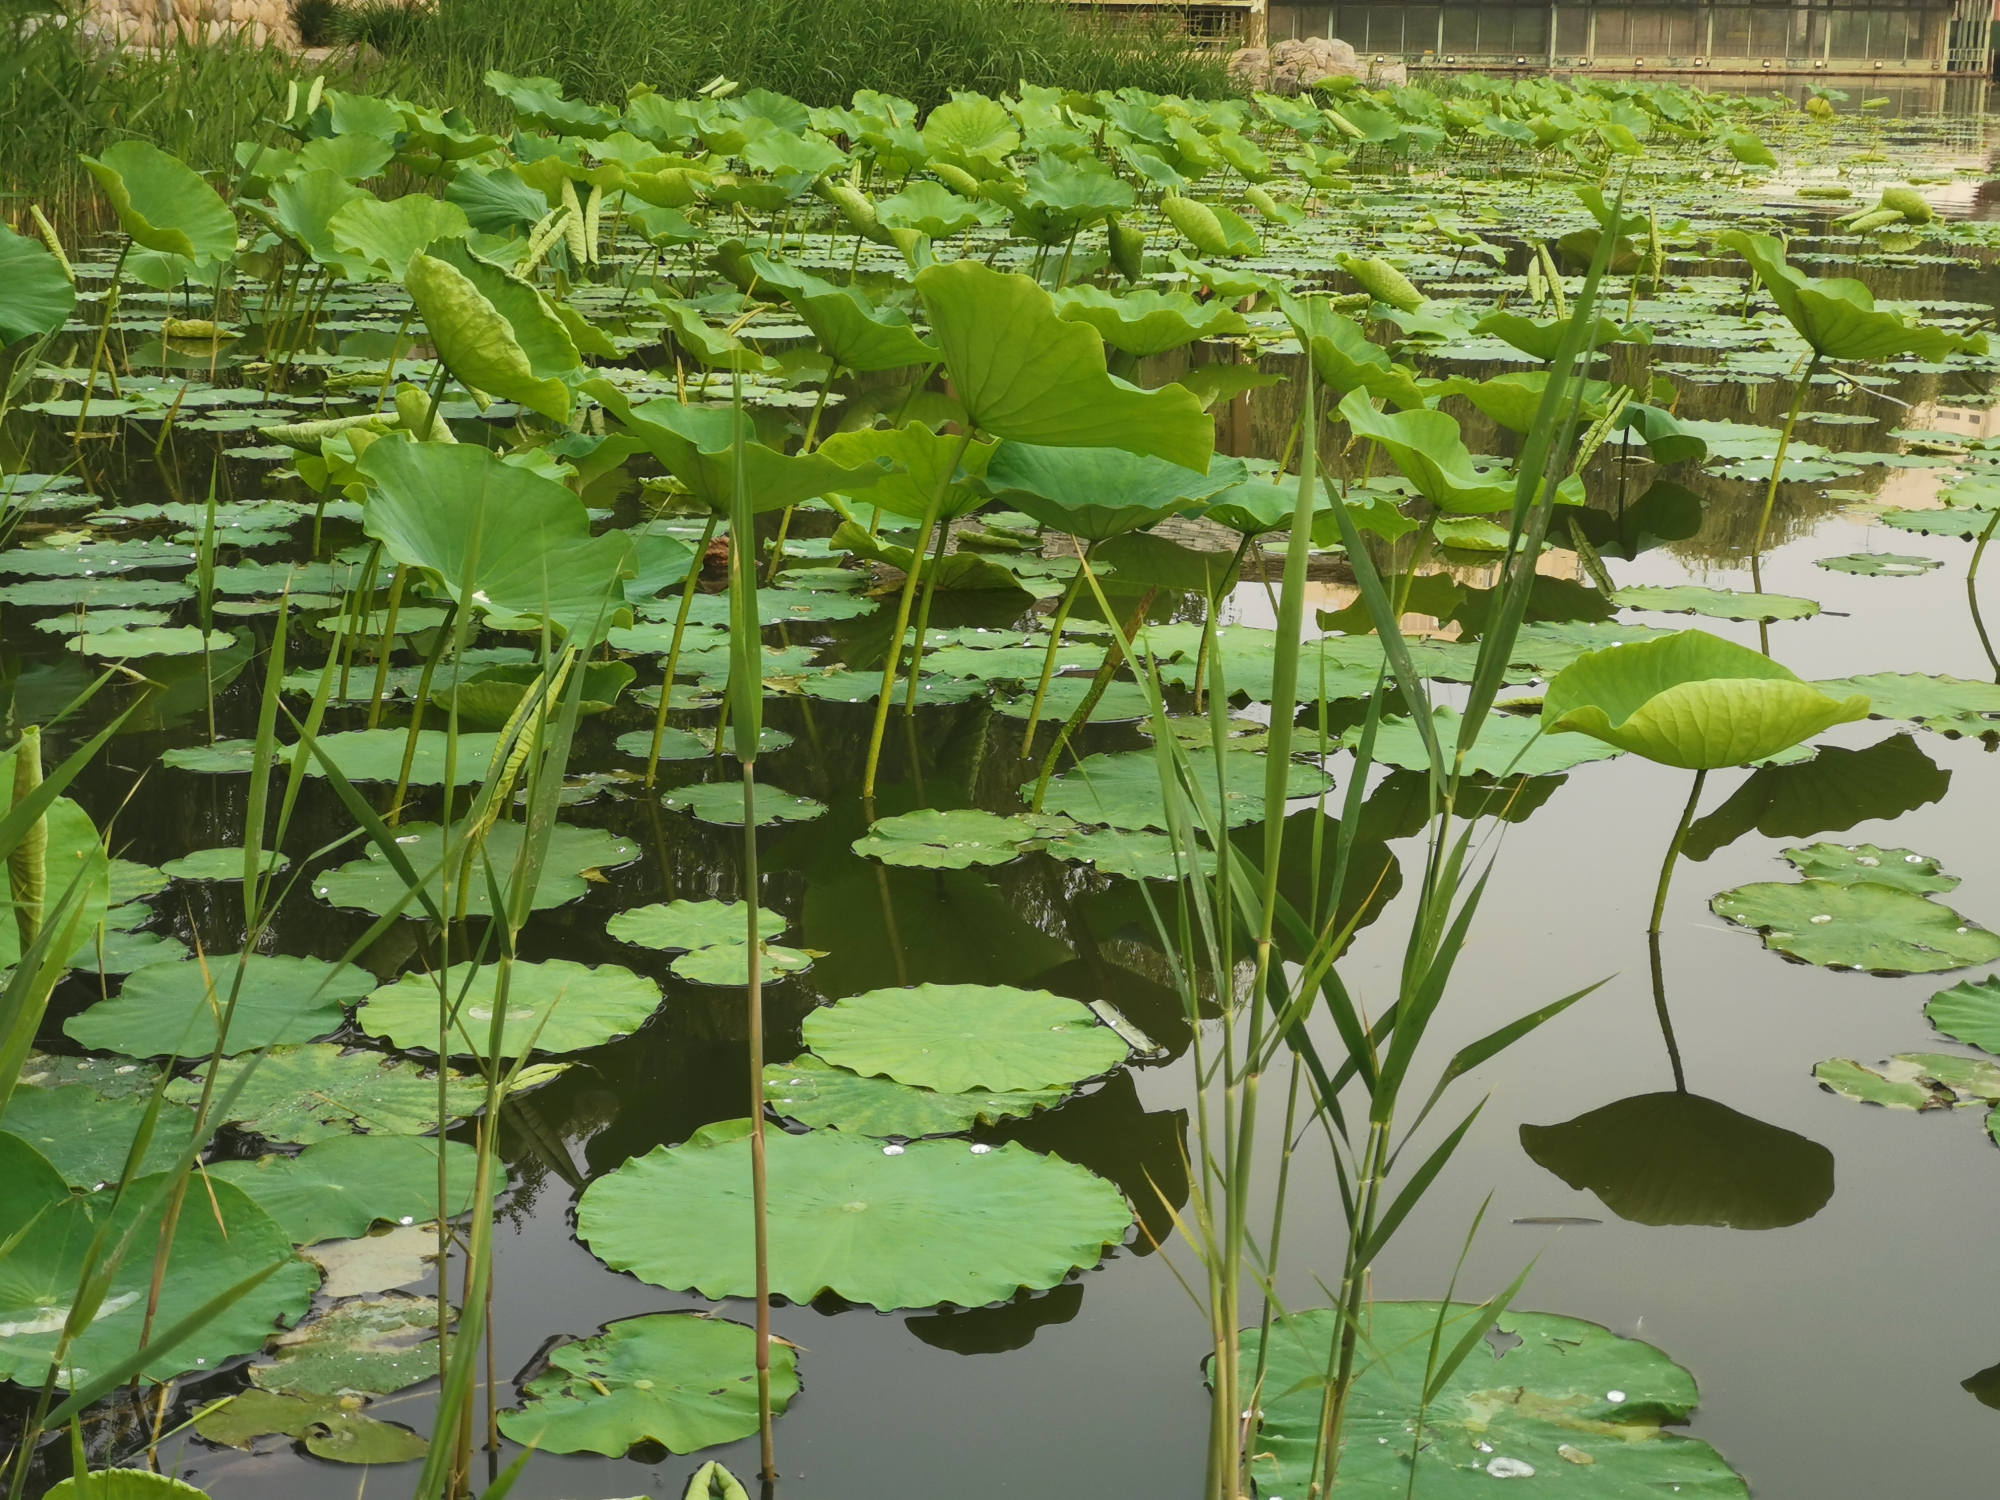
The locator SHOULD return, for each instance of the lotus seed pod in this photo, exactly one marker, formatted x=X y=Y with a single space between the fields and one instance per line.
x=1384 y=282
x=27 y=866
x=1127 y=247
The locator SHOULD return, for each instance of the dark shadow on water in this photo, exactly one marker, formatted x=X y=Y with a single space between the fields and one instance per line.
x=995 y=1330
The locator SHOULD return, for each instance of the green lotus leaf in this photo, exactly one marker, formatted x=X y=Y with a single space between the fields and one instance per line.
x=441 y=507
x=1965 y=524
x=1719 y=604
x=1123 y=702
x=1344 y=359
x=1145 y=322
x=722 y=802
x=163 y=204
x=1025 y=374
x=1927 y=700
x=145 y=641
x=1837 y=316
x=320 y=1091
x=361 y=755
x=956 y=840
x=1122 y=790
x=217 y=864
x=39 y=297
x=852 y=331
x=555 y=1006
x=1874 y=927
x=956 y=571
x=354 y=156
x=1426 y=446
x=1692 y=700
x=1542 y=340
x=1059 y=199
x=920 y=457
x=494 y=331
x=954 y=1037
x=87 y=1137
x=1857 y=864
x=227 y=1242
x=1969 y=1013
x=1674 y=1158
x=1098 y=493
x=1878 y=564
x=1132 y=854
x=388 y=235
x=1906 y=1081
x=848 y=686
x=124 y=1484
x=371 y=883
x=1572 y=1403
x=94 y=593
x=1211 y=228
x=329 y=1425
x=931 y=1222
x=492 y=694
x=171 y=1009
x=369 y=1346
x=681 y=1380
x=970 y=127
x=699 y=445
x=931 y=209
x=303 y=208
x=728 y=964
x=680 y=926
x=336 y=1189
x=1508 y=745
x=817 y=1093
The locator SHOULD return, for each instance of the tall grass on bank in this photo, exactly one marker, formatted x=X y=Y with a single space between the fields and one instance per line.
x=818 y=51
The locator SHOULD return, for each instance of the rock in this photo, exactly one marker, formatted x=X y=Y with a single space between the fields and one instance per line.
x=1296 y=64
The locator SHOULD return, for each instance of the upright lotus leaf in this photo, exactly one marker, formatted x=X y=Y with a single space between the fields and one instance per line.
x=494 y=331
x=936 y=1221
x=1025 y=374
x=387 y=235
x=336 y=1189
x=953 y=1037
x=303 y=207
x=970 y=129
x=538 y=102
x=441 y=507
x=1427 y=447
x=1097 y=493
x=1693 y=700
x=698 y=444
x=163 y=204
x=932 y=209
x=74 y=851
x=1212 y=229
x=1255 y=505
x=681 y=1380
x=852 y=331
x=228 y=1241
x=1673 y=1158
x=1563 y=1404
x=1058 y=200
x=1837 y=316
x=1147 y=322
x=35 y=294
x=920 y=458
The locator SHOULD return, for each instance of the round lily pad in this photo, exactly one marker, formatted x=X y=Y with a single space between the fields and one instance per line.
x=722 y=802
x=370 y=1346
x=956 y=840
x=318 y=1091
x=555 y=1006
x=1969 y=1013
x=170 y=1008
x=1904 y=1082
x=1135 y=855
x=372 y=883
x=931 y=1222
x=1923 y=699
x=729 y=964
x=87 y=1137
x=685 y=925
x=1570 y=1404
x=217 y=864
x=1123 y=789
x=844 y=685
x=149 y=640
x=124 y=1484
x=361 y=755
x=1873 y=927
x=1508 y=744
x=953 y=1037
x=1855 y=864
x=694 y=744
x=1878 y=564
x=816 y=1093
x=680 y=1380
x=330 y=1427
x=336 y=1189
x=1122 y=702
x=1717 y=604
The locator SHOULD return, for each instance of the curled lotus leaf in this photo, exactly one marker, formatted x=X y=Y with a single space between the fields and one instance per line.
x=1969 y=1013
x=681 y=1380
x=493 y=330
x=163 y=203
x=817 y=1093
x=913 y=1226
x=1146 y=322
x=1571 y=1401
x=955 y=840
x=1427 y=448
x=1837 y=316
x=953 y=1037
x=1874 y=927
x=1692 y=700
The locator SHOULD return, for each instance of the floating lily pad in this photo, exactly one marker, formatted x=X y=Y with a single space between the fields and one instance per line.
x=150 y=640
x=722 y=802
x=331 y=1427
x=217 y=864
x=303 y=1094
x=680 y=1380
x=1136 y=855
x=336 y=1189
x=171 y=1008
x=694 y=744
x=361 y=754
x=1854 y=864
x=1969 y=1012
x=729 y=964
x=817 y=1093
x=96 y=593
x=371 y=1346
x=1508 y=744
x=953 y=1037
x=371 y=883
x=87 y=1137
x=1903 y=1082
x=956 y=840
x=213 y=1250
x=1873 y=927
x=1937 y=702
x=124 y=1484
x=935 y=1221
x=843 y=685
x=560 y=1005
x=1878 y=564
x=683 y=925
x=1122 y=703
x=1571 y=1402
x=101 y=620
x=1123 y=789
x=1718 y=604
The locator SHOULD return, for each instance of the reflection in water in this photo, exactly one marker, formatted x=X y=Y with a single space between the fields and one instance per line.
x=1985 y=1386
x=1112 y=1133
x=995 y=1330
x=1830 y=793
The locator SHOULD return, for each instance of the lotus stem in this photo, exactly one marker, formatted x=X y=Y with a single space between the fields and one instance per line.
x=103 y=336
x=924 y=617
x=1674 y=852
x=1771 y=492
x=387 y=643
x=674 y=650
x=1972 y=594
x=758 y=1176
x=1063 y=608
x=1660 y=1010
x=1114 y=657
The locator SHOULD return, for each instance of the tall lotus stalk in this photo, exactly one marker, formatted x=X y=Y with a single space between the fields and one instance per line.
x=27 y=866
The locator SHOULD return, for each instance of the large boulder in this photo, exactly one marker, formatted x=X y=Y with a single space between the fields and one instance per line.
x=1296 y=64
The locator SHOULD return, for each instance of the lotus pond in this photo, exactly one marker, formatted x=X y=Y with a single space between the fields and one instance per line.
x=1241 y=797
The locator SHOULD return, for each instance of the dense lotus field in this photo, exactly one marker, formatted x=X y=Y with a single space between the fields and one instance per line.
x=524 y=645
